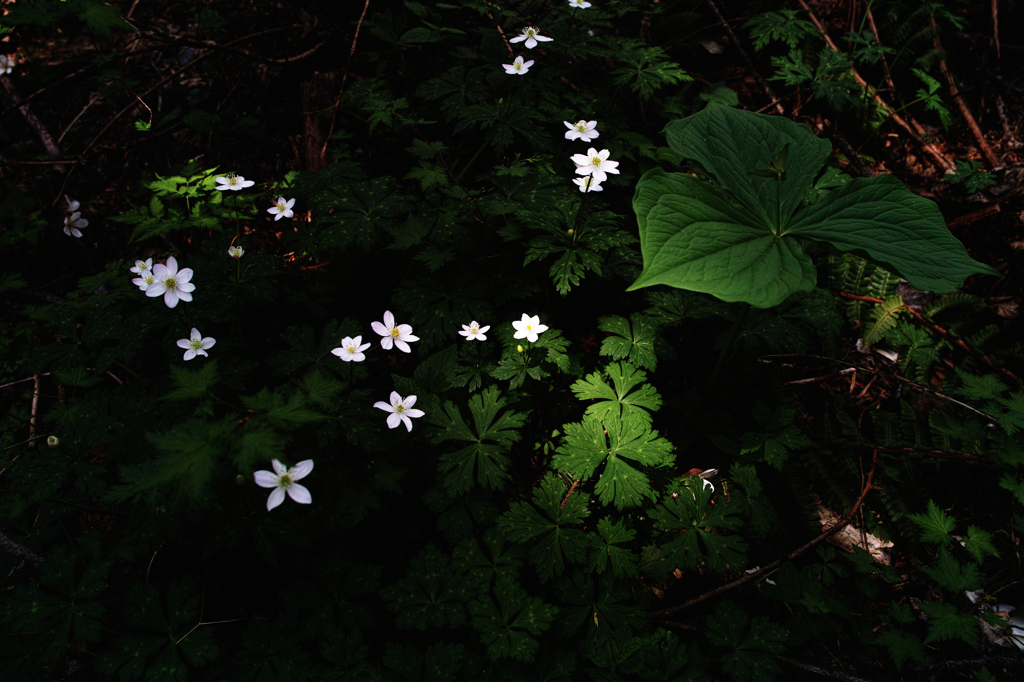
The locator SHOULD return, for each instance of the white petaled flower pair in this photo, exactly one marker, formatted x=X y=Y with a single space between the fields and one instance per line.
x=282 y=480
x=171 y=283
x=282 y=209
x=401 y=410
x=196 y=344
x=72 y=224
x=474 y=331
x=236 y=251
x=588 y=184
x=579 y=4
x=528 y=328
x=531 y=37
x=394 y=335
x=581 y=130
x=233 y=183
x=595 y=164
x=518 y=66
x=351 y=350
x=6 y=64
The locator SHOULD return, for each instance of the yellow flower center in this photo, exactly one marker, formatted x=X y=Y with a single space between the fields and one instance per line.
x=286 y=480
x=171 y=283
x=399 y=408
x=529 y=327
x=196 y=343
x=394 y=333
x=596 y=160
x=530 y=32
x=281 y=207
x=351 y=349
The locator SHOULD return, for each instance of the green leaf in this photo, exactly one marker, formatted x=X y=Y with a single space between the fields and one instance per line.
x=693 y=523
x=979 y=543
x=549 y=524
x=272 y=651
x=635 y=342
x=432 y=595
x=65 y=603
x=954 y=576
x=618 y=402
x=777 y=436
x=604 y=606
x=751 y=643
x=491 y=438
x=509 y=620
x=335 y=594
x=605 y=553
x=436 y=372
x=903 y=646
x=102 y=18
x=935 y=525
x=663 y=657
x=491 y=560
x=439 y=663
x=945 y=622
x=192 y=384
x=784 y=26
x=615 y=443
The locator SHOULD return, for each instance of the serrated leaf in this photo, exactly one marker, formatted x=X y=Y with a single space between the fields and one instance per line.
x=439 y=663
x=633 y=339
x=190 y=384
x=601 y=605
x=614 y=443
x=945 y=622
x=697 y=531
x=902 y=646
x=550 y=524
x=751 y=643
x=334 y=596
x=935 y=524
x=487 y=559
x=605 y=553
x=619 y=401
x=954 y=576
x=509 y=620
x=979 y=543
x=432 y=595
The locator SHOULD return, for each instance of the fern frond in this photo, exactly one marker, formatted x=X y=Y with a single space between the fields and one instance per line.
x=884 y=318
x=953 y=306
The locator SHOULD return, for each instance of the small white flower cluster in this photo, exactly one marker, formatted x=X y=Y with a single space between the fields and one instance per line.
x=73 y=221
x=164 y=280
x=595 y=167
x=6 y=64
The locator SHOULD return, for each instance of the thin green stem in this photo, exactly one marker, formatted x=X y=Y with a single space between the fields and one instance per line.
x=727 y=349
x=458 y=178
x=778 y=204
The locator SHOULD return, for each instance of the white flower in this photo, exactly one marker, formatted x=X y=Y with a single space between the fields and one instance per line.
x=144 y=280
x=579 y=4
x=588 y=184
x=283 y=480
x=72 y=205
x=282 y=208
x=6 y=64
x=581 y=130
x=528 y=328
x=474 y=331
x=233 y=182
x=143 y=266
x=236 y=251
x=531 y=37
x=72 y=223
x=350 y=350
x=196 y=344
x=172 y=284
x=52 y=441
x=595 y=163
x=518 y=66
x=400 y=410
x=397 y=335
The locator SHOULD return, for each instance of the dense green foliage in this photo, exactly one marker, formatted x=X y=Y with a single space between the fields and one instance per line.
x=723 y=368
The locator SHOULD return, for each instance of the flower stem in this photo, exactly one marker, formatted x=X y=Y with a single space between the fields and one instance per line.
x=579 y=213
x=730 y=342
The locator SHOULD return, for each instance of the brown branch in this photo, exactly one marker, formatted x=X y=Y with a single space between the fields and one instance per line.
x=344 y=77
x=750 y=577
x=938 y=330
x=19 y=551
x=940 y=162
x=954 y=92
x=33 y=122
x=989 y=210
x=743 y=55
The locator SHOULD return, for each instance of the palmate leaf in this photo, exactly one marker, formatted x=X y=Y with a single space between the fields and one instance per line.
x=936 y=525
x=486 y=559
x=696 y=528
x=903 y=646
x=662 y=657
x=632 y=339
x=65 y=603
x=549 y=524
x=490 y=439
x=509 y=620
x=439 y=663
x=334 y=595
x=695 y=236
x=432 y=595
x=617 y=401
x=954 y=576
x=604 y=606
x=622 y=560
x=776 y=437
x=751 y=643
x=945 y=622
x=273 y=651
x=163 y=642
x=615 y=443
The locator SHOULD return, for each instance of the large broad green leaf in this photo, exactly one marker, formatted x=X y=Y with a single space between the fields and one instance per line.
x=880 y=219
x=692 y=236
x=729 y=143
x=737 y=237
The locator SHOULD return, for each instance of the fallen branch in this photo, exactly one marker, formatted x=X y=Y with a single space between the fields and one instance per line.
x=34 y=123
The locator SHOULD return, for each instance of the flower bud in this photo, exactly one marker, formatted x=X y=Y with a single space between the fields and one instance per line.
x=236 y=251
x=240 y=479
x=519 y=348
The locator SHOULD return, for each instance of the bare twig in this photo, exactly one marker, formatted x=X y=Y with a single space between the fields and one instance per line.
x=344 y=77
x=19 y=551
x=750 y=577
x=35 y=407
x=954 y=92
x=40 y=130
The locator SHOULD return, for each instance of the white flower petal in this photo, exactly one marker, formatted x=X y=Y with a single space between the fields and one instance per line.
x=265 y=479
x=300 y=494
x=275 y=499
x=278 y=467
x=302 y=469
